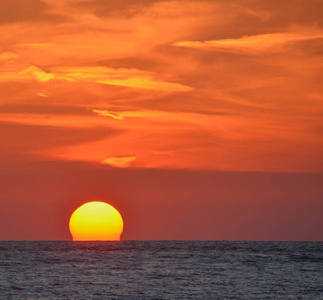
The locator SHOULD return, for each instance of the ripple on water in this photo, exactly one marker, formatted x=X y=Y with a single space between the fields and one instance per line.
x=161 y=270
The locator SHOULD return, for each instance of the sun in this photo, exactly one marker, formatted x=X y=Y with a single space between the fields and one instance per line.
x=96 y=221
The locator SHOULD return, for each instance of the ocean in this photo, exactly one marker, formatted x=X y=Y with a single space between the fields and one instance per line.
x=161 y=270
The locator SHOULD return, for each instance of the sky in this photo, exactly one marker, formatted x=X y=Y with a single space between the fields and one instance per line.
x=197 y=120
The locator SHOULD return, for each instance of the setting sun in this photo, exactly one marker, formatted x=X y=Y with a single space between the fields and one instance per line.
x=96 y=221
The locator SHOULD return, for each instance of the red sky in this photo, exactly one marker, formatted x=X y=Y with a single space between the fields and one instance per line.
x=196 y=119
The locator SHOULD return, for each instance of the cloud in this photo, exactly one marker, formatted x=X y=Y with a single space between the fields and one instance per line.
x=8 y=55
x=262 y=43
x=31 y=72
x=43 y=94
x=39 y=74
x=56 y=120
x=100 y=8
x=107 y=113
x=29 y=139
x=147 y=82
x=119 y=162
x=23 y=10
x=123 y=77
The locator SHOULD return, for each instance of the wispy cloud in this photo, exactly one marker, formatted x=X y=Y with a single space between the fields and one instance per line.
x=31 y=72
x=119 y=162
x=43 y=94
x=123 y=77
x=108 y=113
x=8 y=55
x=272 y=42
x=39 y=74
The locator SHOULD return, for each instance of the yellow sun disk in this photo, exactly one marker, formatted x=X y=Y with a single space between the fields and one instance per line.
x=96 y=221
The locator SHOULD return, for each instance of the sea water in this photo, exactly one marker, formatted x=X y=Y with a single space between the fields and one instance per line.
x=161 y=270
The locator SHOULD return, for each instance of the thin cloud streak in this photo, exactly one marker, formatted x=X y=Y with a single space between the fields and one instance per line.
x=107 y=113
x=256 y=44
x=8 y=55
x=123 y=77
x=119 y=162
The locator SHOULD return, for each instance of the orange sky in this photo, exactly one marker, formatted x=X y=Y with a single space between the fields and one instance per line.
x=196 y=87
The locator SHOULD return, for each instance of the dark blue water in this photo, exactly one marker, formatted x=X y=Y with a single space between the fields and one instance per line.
x=161 y=270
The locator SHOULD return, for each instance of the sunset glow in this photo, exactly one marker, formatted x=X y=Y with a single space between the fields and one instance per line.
x=198 y=119
x=152 y=80
x=96 y=221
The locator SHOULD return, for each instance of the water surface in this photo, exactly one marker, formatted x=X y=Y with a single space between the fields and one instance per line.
x=161 y=270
